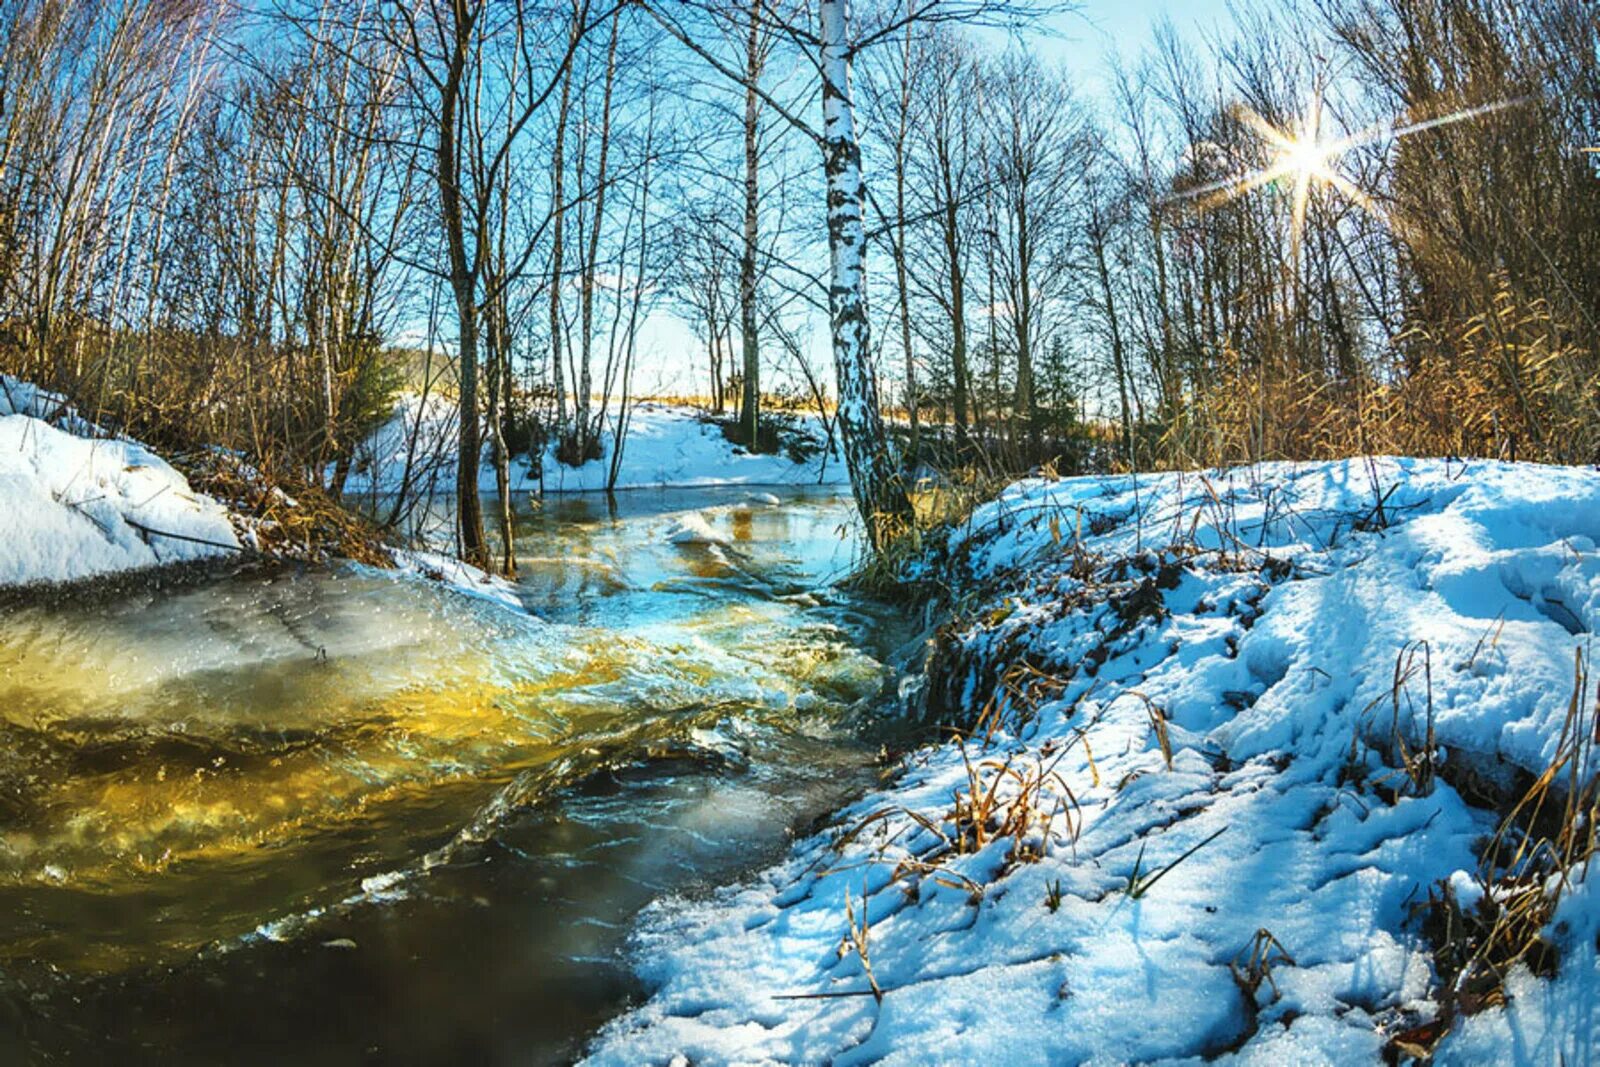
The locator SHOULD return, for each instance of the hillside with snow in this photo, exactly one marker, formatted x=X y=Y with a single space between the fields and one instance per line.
x=665 y=445
x=76 y=502
x=1241 y=750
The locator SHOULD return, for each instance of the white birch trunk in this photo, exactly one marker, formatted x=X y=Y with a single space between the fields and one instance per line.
x=878 y=491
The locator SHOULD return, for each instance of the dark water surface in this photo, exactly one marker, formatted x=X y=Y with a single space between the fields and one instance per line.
x=329 y=816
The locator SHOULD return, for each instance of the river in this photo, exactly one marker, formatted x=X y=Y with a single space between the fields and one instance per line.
x=329 y=815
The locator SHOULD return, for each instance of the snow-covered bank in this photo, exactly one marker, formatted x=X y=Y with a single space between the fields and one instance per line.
x=415 y=450
x=1232 y=734
x=75 y=503
x=674 y=446
x=665 y=445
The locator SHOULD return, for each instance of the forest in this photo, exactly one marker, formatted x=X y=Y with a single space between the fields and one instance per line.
x=250 y=226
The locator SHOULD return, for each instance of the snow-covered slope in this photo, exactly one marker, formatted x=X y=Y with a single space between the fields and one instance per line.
x=1204 y=811
x=415 y=450
x=76 y=502
x=672 y=446
x=73 y=505
x=666 y=445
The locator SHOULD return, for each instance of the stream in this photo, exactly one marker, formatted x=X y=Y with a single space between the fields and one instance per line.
x=330 y=815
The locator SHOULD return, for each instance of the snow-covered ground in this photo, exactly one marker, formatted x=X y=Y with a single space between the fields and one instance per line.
x=1215 y=667
x=665 y=445
x=75 y=502
x=671 y=446
x=415 y=451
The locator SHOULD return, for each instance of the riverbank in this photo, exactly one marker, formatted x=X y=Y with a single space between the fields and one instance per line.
x=1250 y=767
x=665 y=446
x=76 y=501
x=80 y=503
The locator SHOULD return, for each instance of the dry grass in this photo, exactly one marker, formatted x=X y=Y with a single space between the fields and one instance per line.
x=987 y=810
x=299 y=521
x=1509 y=383
x=860 y=939
x=1022 y=691
x=1253 y=965
x=1158 y=726
x=1545 y=840
x=1415 y=762
x=1028 y=802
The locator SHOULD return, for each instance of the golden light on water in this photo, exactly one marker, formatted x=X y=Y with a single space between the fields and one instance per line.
x=1307 y=161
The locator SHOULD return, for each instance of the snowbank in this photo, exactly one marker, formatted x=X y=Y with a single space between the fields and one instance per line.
x=672 y=446
x=73 y=505
x=1183 y=829
x=75 y=502
x=665 y=446
x=415 y=450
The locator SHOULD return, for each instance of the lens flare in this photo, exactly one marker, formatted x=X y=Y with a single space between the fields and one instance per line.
x=1306 y=161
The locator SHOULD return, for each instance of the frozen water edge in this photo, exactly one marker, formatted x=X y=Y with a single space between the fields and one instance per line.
x=1262 y=612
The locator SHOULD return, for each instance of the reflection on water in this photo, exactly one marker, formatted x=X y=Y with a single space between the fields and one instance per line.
x=336 y=815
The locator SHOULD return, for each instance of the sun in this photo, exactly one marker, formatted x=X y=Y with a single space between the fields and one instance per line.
x=1307 y=161
x=1307 y=158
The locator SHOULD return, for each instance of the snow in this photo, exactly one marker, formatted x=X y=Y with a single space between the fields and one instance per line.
x=459 y=575
x=73 y=505
x=692 y=529
x=415 y=450
x=666 y=445
x=76 y=502
x=1258 y=616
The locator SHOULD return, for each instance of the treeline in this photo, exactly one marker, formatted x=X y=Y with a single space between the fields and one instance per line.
x=250 y=225
x=1438 y=297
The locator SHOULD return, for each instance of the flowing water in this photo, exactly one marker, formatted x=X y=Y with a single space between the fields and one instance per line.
x=334 y=816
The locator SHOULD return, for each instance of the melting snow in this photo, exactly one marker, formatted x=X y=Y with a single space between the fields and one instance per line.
x=74 y=502
x=1256 y=617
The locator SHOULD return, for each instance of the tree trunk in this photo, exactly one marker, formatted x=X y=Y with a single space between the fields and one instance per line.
x=958 y=324
x=463 y=284
x=558 y=170
x=499 y=399
x=582 y=398
x=750 y=402
x=1097 y=237
x=913 y=444
x=1022 y=314
x=879 y=493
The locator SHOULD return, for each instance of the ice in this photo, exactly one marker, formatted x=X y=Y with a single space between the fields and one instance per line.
x=692 y=529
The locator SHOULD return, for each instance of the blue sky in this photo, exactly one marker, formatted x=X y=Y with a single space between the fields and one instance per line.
x=1100 y=27
x=671 y=356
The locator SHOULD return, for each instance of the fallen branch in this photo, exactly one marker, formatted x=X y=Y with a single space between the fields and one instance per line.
x=150 y=531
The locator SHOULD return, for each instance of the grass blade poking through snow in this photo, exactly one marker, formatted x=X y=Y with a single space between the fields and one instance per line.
x=1139 y=885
